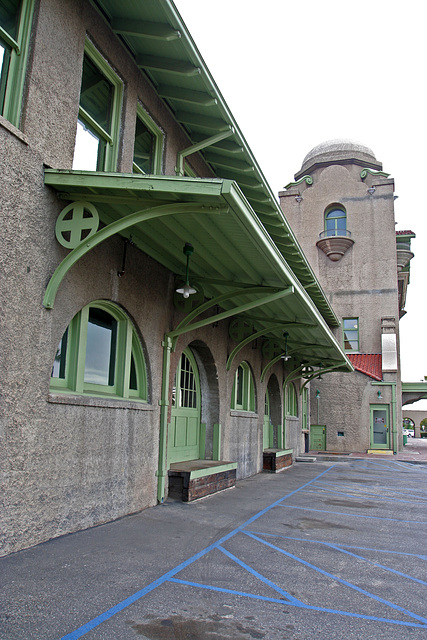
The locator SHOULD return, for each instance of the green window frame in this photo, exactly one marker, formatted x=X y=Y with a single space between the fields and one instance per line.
x=148 y=146
x=351 y=338
x=100 y=354
x=291 y=401
x=243 y=394
x=335 y=220
x=98 y=126
x=15 y=25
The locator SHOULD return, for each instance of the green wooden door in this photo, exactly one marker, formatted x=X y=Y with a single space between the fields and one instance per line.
x=380 y=426
x=318 y=437
x=184 y=428
x=267 y=431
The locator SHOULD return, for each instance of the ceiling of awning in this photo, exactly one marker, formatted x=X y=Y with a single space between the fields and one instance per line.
x=232 y=250
x=156 y=37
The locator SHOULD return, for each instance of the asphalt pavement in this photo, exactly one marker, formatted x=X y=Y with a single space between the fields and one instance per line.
x=331 y=550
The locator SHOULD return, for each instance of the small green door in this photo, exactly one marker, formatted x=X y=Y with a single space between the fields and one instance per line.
x=184 y=428
x=318 y=437
x=380 y=426
x=267 y=431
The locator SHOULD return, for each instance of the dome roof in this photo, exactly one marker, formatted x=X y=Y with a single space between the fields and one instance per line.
x=336 y=151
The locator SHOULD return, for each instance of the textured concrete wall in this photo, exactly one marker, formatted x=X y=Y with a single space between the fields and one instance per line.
x=71 y=462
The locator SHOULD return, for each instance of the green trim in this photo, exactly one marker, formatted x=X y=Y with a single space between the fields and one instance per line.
x=364 y=173
x=115 y=227
x=14 y=88
x=216 y=442
x=158 y=136
x=112 y=139
x=207 y=471
x=125 y=345
x=380 y=407
x=164 y=409
x=308 y=179
x=243 y=392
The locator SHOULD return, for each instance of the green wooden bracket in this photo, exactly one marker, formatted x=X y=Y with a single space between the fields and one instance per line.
x=116 y=227
x=365 y=172
x=216 y=442
x=320 y=372
x=202 y=441
x=252 y=337
x=307 y=179
x=181 y=155
x=185 y=327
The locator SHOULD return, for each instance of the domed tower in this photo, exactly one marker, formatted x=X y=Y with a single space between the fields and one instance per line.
x=341 y=209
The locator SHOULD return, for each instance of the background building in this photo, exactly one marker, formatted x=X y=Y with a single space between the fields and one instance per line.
x=341 y=208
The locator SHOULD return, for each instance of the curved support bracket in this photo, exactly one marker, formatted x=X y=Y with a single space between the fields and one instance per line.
x=307 y=179
x=247 y=340
x=318 y=373
x=116 y=227
x=293 y=375
x=185 y=326
x=365 y=172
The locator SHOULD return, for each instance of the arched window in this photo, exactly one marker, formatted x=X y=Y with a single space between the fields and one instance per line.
x=335 y=220
x=100 y=355
x=291 y=401
x=243 y=395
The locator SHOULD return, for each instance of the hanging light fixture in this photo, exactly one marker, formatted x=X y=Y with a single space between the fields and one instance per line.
x=285 y=356
x=187 y=290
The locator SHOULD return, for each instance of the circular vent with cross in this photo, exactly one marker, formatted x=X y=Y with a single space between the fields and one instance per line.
x=271 y=349
x=77 y=222
x=240 y=329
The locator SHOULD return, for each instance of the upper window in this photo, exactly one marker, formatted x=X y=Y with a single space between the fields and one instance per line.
x=243 y=395
x=291 y=401
x=15 y=24
x=98 y=126
x=147 y=153
x=100 y=354
x=335 y=221
x=351 y=334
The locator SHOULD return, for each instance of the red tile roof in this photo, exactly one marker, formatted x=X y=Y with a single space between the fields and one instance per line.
x=368 y=363
x=405 y=233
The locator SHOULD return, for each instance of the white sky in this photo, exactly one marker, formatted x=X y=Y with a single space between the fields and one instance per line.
x=295 y=74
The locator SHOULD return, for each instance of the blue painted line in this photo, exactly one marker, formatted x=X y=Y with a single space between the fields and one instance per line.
x=396 y=607
x=260 y=577
x=84 y=629
x=346 y=546
x=231 y=591
x=352 y=515
x=367 y=496
x=300 y=606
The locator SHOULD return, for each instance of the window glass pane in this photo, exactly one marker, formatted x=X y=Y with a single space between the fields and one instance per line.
x=58 y=369
x=188 y=393
x=350 y=323
x=96 y=95
x=101 y=348
x=9 y=15
x=86 y=149
x=143 y=154
x=239 y=383
x=133 y=382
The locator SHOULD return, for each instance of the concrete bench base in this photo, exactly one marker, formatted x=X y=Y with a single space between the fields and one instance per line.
x=196 y=479
x=275 y=460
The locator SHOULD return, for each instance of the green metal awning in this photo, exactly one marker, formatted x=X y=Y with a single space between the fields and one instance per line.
x=156 y=37
x=235 y=260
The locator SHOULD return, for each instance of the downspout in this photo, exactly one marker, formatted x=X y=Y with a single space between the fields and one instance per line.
x=164 y=407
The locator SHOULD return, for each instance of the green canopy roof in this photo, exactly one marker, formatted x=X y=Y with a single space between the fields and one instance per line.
x=235 y=260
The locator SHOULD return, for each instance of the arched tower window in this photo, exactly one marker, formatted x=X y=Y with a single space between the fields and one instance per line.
x=243 y=394
x=335 y=220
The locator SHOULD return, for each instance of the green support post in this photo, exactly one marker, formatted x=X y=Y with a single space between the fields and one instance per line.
x=216 y=442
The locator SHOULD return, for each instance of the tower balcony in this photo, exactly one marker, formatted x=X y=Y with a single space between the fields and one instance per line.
x=334 y=243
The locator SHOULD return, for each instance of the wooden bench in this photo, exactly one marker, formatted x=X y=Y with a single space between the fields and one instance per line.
x=195 y=479
x=275 y=460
